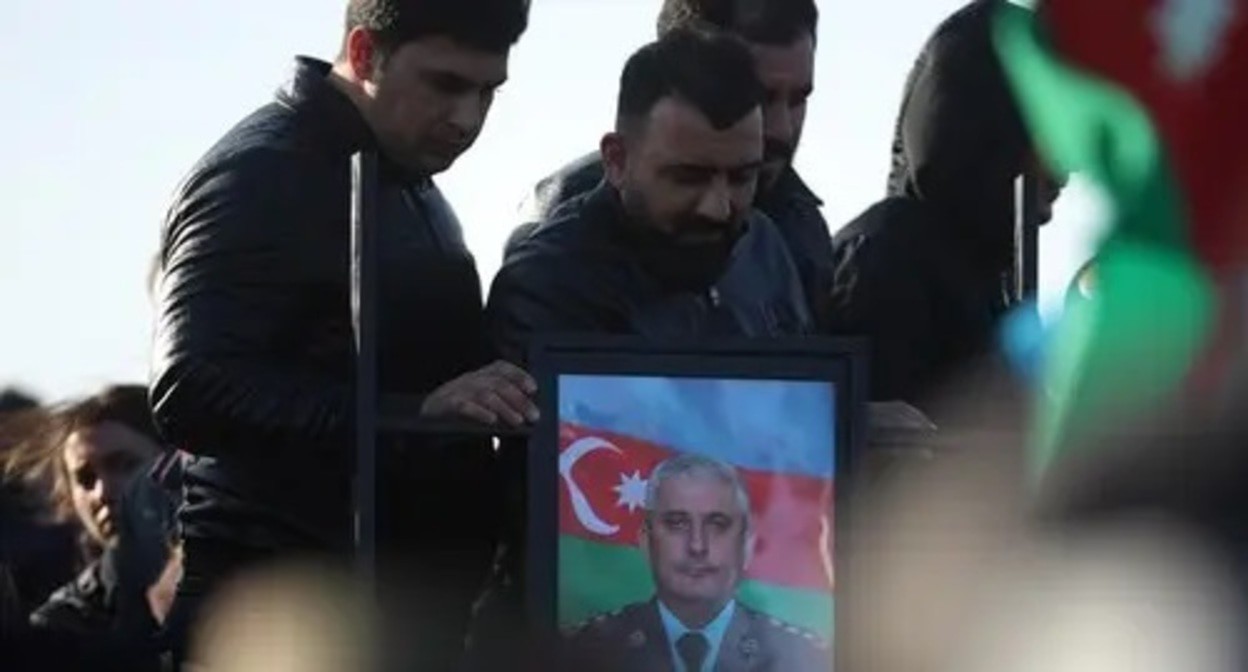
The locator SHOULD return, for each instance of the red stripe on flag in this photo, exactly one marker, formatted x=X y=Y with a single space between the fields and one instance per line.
x=1199 y=116
x=1212 y=374
x=601 y=496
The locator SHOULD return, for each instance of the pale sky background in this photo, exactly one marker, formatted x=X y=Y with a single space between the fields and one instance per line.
x=109 y=102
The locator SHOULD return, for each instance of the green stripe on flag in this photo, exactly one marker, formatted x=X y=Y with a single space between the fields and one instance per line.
x=1132 y=344
x=1082 y=123
x=803 y=608
x=600 y=578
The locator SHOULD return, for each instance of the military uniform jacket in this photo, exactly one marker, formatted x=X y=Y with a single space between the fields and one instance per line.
x=633 y=640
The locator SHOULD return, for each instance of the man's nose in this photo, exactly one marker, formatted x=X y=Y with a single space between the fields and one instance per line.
x=716 y=202
x=467 y=114
x=697 y=541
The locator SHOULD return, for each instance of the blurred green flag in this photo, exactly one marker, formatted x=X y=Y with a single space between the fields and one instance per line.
x=1143 y=96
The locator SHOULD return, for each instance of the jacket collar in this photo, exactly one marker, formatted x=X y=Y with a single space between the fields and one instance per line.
x=788 y=189
x=335 y=116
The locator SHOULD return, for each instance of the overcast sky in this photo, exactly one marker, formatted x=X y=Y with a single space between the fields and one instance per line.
x=109 y=103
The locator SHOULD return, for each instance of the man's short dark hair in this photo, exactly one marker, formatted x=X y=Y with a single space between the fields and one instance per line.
x=489 y=25
x=13 y=400
x=712 y=71
x=773 y=22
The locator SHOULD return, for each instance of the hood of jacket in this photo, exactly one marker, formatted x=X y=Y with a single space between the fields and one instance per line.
x=960 y=142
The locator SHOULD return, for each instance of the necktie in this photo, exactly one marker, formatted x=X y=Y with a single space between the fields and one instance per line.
x=692 y=647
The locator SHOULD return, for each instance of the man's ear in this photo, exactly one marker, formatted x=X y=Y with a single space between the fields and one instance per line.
x=361 y=54
x=750 y=541
x=614 y=152
x=643 y=538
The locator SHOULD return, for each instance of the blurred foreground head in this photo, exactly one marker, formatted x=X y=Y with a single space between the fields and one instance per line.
x=315 y=615
x=293 y=618
x=1130 y=556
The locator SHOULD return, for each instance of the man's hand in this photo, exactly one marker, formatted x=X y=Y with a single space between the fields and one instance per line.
x=500 y=391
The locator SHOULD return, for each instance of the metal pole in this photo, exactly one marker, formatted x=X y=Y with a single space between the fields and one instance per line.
x=364 y=322
x=1026 y=239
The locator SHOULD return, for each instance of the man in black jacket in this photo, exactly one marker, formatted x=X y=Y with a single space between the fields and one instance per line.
x=925 y=274
x=781 y=36
x=667 y=246
x=253 y=363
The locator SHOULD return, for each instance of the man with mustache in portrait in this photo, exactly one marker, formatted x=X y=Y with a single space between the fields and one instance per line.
x=698 y=538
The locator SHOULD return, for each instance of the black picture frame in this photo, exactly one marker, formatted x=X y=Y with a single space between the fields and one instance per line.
x=839 y=361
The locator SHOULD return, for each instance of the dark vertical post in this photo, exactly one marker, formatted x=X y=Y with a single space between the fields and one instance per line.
x=364 y=322
x=1026 y=239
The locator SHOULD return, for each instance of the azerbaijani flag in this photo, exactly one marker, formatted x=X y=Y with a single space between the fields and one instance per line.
x=780 y=435
x=1148 y=98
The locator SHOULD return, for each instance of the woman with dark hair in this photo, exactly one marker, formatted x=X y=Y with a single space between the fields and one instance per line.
x=37 y=553
x=82 y=455
x=89 y=461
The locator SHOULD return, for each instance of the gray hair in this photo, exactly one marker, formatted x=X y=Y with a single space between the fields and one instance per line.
x=688 y=464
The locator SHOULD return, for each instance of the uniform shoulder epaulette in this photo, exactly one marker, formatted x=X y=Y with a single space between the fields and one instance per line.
x=795 y=631
x=596 y=623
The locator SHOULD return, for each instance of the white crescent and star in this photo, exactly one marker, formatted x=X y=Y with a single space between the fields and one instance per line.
x=631 y=490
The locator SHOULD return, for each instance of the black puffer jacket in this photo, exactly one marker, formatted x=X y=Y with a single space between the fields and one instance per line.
x=253 y=364
x=791 y=205
x=925 y=274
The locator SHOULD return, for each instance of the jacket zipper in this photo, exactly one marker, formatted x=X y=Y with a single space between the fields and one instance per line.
x=705 y=304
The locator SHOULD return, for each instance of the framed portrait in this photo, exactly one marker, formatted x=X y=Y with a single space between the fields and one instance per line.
x=687 y=496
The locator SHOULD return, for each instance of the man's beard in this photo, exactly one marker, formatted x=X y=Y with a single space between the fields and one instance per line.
x=692 y=256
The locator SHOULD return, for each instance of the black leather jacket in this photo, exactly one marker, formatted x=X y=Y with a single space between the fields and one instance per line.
x=791 y=205
x=253 y=353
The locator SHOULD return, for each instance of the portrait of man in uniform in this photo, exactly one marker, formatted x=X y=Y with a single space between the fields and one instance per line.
x=698 y=535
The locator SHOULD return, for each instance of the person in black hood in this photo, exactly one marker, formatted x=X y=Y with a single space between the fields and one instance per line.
x=781 y=36
x=925 y=274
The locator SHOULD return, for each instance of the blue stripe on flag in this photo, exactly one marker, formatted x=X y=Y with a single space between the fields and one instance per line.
x=762 y=425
